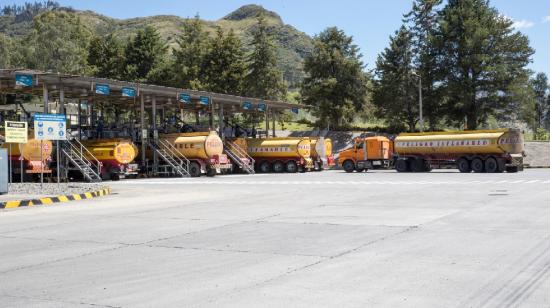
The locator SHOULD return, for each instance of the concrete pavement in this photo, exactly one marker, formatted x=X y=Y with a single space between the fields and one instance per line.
x=329 y=239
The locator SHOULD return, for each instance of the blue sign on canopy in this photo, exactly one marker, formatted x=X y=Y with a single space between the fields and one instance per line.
x=128 y=92
x=205 y=100
x=102 y=89
x=262 y=107
x=185 y=98
x=23 y=80
x=247 y=105
x=295 y=110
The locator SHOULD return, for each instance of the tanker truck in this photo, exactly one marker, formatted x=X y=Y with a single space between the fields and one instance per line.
x=204 y=150
x=281 y=154
x=367 y=153
x=488 y=151
x=34 y=162
x=116 y=157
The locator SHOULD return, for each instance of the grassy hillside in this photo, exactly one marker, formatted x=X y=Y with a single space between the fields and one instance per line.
x=292 y=45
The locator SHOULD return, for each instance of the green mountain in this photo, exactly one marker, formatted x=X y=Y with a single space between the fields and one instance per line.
x=292 y=45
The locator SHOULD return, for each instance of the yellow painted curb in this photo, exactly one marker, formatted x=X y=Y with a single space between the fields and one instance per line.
x=58 y=199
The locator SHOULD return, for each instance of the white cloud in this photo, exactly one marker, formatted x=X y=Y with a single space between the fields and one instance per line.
x=522 y=24
x=546 y=19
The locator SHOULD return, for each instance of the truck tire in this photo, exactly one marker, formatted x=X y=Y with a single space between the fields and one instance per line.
x=463 y=165
x=210 y=172
x=291 y=166
x=401 y=165
x=477 y=165
x=194 y=169
x=512 y=169
x=278 y=167
x=348 y=166
x=491 y=165
x=265 y=167
x=359 y=169
x=418 y=165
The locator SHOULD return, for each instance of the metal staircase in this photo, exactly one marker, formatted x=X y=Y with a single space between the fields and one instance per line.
x=178 y=163
x=82 y=160
x=239 y=156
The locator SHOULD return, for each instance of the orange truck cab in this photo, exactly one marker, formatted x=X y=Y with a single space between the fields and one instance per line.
x=366 y=153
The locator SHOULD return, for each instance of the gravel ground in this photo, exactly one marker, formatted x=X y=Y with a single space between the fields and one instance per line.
x=50 y=189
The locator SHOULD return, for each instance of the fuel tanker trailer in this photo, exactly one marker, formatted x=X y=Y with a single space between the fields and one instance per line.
x=281 y=154
x=204 y=150
x=34 y=162
x=116 y=156
x=479 y=151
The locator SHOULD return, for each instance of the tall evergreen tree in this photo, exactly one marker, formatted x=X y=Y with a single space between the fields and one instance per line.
x=264 y=79
x=481 y=58
x=144 y=52
x=336 y=84
x=58 y=42
x=395 y=89
x=6 y=50
x=189 y=56
x=540 y=88
x=224 y=66
x=106 y=57
x=423 y=20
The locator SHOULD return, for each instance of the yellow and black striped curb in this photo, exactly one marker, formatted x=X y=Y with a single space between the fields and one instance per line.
x=52 y=200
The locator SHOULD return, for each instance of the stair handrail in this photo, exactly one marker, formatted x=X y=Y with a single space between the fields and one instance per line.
x=154 y=144
x=241 y=153
x=173 y=151
x=83 y=157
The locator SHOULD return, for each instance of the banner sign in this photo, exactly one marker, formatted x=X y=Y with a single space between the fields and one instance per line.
x=128 y=92
x=185 y=98
x=205 y=100
x=102 y=89
x=16 y=132
x=247 y=105
x=23 y=80
x=50 y=126
x=261 y=107
x=295 y=110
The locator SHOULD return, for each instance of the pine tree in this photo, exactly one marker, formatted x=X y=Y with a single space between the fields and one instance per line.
x=189 y=56
x=145 y=52
x=481 y=59
x=540 y=88
x=223 y=66
x=395 y=89
x=264 y=80
x=336 y=84
x=6 y=50
x=423 y=20
x=58 y=42
x=106 y=57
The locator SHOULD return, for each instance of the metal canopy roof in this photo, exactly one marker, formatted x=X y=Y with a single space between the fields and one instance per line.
x=75 y=86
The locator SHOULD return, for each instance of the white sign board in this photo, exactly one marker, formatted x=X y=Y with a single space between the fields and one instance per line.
x=16 y=132
x=50 y=126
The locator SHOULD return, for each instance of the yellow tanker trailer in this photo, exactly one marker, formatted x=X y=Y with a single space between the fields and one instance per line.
x=281 y=154
x=321 y=153
x=116 y=157
x=203 y=150
x=479 y=151
x=33 y=161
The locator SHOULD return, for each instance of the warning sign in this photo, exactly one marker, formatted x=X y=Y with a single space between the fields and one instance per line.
x=50 y=126
x=16 y=132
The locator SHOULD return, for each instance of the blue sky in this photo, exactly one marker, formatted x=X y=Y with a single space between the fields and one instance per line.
x=370 y=22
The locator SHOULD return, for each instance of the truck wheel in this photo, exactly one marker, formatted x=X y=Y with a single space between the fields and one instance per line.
x=401 y=165
x=463 y=165
x=491 y=165
x=210 y=172
x=477 y=165
x=291 y=166
x=278 y=167
x=348 y=166
x=512 y=169
x=418 y=165
x=195 y=169
x=265 y=167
